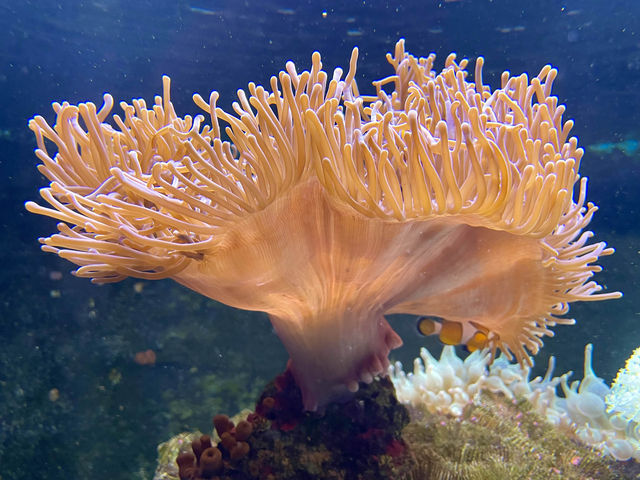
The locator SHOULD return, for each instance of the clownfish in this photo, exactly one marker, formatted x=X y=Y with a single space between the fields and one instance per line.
x=472 y=336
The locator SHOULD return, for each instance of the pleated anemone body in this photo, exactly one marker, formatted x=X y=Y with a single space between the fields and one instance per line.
x=328 y=209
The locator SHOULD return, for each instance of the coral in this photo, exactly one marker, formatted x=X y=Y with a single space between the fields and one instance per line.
x=449 y=385
x=219 y=461
x=359 y=439
x=485 y=424
x=624 y=398
x=170 y=450
x=495 y=438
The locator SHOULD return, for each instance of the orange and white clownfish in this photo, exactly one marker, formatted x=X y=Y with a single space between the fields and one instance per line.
x=472 y=336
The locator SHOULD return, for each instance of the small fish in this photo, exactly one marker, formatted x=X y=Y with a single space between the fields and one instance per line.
x=516 y=28
x=472 y=336
x=627 y=147
x=203 y=11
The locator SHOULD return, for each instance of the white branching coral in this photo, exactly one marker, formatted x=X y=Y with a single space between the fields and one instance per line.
x=624 y=398
x=448 y=385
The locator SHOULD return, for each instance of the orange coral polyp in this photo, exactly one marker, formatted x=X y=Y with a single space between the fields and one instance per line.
x=330 y=209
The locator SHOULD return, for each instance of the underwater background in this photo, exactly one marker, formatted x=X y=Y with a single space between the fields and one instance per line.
x=80 y=395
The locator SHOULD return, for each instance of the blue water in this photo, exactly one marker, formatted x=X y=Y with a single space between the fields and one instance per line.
x=73 y=402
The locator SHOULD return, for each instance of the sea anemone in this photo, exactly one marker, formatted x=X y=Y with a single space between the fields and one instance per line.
x=328 y=209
